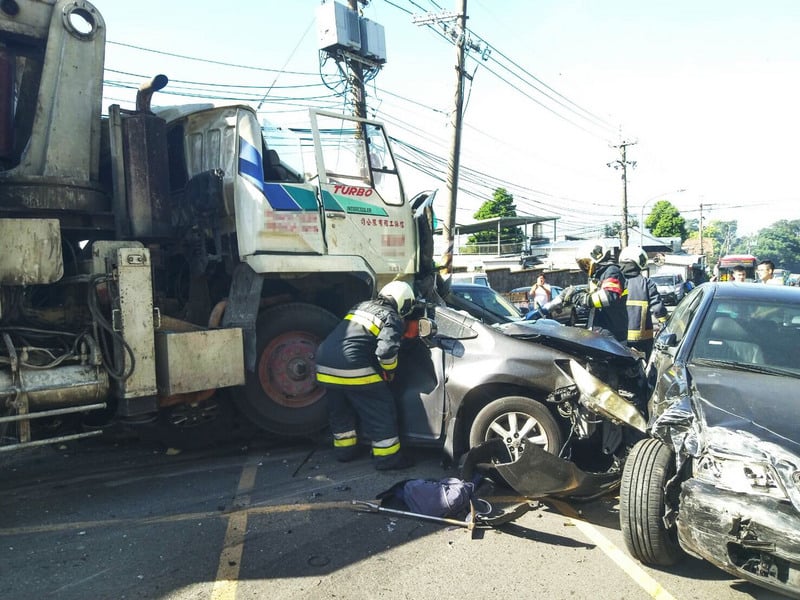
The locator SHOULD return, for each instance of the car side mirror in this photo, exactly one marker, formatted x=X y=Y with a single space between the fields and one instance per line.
x=665 y=342
x=427 y=327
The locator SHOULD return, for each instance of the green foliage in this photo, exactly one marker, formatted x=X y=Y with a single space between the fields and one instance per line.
x=501 y=205
x=666 y=221
x=780 y=243
x=611 y=230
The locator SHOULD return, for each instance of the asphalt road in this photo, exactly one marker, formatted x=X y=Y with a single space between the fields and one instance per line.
x=100 y=521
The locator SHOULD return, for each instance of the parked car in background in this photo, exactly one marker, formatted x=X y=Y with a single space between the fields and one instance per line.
x=566 y=314
x=671 y=286
x=719 y=478
x=476 y=278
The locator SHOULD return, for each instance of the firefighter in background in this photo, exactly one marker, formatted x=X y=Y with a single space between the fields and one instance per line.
x=606 y=294
x=355 y=363
x=643 y=303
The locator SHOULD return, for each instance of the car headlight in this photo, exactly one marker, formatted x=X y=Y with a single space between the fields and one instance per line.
x=739 y=474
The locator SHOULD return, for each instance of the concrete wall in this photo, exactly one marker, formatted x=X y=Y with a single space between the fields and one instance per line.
x=504 y=280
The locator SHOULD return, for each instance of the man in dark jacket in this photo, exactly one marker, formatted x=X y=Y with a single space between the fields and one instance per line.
x=643 y=303
x=606 y=295
x=354 y=363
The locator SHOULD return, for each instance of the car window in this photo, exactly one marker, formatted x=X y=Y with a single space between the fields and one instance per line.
x=739 y=331
x=683 y=315
x=454 y=327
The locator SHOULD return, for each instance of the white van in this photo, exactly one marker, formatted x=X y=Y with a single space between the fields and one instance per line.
x=476 y=278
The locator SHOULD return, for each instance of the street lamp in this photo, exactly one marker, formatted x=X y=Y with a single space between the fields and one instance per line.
x=644 y=205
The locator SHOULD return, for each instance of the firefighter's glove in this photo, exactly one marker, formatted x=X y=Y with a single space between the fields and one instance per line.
x=387 y=376
x=568 y=294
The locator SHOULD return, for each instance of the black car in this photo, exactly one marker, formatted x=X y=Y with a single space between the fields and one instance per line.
x=719 y=478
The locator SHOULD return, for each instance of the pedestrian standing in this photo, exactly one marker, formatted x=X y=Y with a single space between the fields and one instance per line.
x=540 y=293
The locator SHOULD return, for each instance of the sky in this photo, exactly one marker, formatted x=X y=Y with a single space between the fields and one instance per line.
x=704 y=94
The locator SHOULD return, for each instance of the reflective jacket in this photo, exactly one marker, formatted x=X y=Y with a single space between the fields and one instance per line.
x=606 y=301
x=363 y=347
x=643 y=303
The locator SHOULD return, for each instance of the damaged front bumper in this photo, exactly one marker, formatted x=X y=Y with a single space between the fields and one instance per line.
x=755 y=538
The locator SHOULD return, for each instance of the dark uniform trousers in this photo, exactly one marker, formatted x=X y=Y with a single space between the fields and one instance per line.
x=352 y=363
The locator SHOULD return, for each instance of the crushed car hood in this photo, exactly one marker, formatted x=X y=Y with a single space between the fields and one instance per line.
x=570 y=339
x=761 y=404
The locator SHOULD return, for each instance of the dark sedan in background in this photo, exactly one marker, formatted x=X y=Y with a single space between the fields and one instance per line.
x=719 y=478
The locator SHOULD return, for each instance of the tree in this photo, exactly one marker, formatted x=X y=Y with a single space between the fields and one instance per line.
x=666 y=221
x=501 y=205
x=611 y=230
x=780 y=243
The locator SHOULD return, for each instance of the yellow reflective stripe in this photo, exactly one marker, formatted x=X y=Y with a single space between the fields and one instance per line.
x=393 y=449
x=634 y=335
x=389 y=364
x=643 y=303
x=370 y=322
x=345 y=443
x=373 y=378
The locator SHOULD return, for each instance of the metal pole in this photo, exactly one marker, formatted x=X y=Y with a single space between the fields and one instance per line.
x=448 y=225
x=357 y=80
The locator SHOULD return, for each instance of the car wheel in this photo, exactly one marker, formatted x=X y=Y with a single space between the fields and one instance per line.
x=282 y=396
x=517 y=420
x=642 y=504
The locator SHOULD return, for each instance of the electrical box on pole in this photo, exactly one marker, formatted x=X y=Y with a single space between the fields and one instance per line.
x=338 y=27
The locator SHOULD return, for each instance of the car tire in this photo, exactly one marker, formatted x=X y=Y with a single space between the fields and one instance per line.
x=642 y=504
x=282 y=395
x=517 y=420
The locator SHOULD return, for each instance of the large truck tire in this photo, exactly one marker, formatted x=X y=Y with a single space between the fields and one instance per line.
x=282 y=395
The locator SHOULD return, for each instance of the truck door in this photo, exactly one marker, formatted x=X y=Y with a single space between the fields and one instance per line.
x=364 y=206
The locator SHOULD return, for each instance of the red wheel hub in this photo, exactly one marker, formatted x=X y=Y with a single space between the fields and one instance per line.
x=287 y=369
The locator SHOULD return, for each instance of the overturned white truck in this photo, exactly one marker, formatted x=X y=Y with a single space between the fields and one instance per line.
x=151 y=258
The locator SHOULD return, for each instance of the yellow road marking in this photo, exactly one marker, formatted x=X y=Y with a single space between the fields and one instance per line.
x=230 y=560
x=625 y=562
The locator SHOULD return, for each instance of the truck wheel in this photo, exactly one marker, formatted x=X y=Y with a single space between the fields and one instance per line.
x=282 y=395
x=517 y=420
x=642 y=503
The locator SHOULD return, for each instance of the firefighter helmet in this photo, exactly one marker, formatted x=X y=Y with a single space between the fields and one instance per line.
x=635 y=255
x=589 y=254
x=402 y=295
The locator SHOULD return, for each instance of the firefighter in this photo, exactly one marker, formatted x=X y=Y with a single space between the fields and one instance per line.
x=355 y=363
x=605 y=296
x=643 y=303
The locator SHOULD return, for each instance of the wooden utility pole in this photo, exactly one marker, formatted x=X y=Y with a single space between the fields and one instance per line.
x=622 y=165
x=449 y=222
x=357 y=78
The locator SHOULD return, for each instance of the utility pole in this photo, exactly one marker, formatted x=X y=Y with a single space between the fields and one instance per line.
x=449 y=223
x=702 y=250
x=463 y=43
x=622 y=164
x=357 y=77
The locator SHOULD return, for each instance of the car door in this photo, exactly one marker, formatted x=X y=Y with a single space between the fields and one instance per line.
x=670 y=349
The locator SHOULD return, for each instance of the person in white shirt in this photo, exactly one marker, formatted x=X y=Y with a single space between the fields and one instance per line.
x=540 y=293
